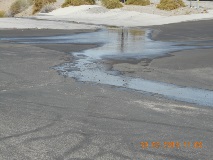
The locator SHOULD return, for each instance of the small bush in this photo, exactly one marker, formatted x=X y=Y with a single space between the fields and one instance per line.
x=39 y=4
x=138 y=2
x=2 y=14
x=19 y=6
x=111 y=4
x=170 y=4
x=68 y=3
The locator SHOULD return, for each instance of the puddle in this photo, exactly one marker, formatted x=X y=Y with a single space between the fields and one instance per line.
x=123 y=44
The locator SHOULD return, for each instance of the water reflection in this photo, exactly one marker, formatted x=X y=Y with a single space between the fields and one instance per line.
x=126 y=39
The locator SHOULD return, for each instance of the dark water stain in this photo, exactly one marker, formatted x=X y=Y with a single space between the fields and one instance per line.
x=123 y=44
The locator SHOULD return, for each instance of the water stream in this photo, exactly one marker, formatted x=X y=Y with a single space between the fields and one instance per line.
x=123 y=44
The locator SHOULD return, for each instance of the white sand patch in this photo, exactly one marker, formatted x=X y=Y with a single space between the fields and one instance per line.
x=95 y=14
x=19 y=23
x=71 y=10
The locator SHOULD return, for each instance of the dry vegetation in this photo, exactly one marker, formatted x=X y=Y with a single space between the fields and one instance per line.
x=138 y=2
x=19 y=6
x=170 y=4
x=47 y=5
x=39 y=4
x=111 y=4
x=77 y=2
x=2 y=14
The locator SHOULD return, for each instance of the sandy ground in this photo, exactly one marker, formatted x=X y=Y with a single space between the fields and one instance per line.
x=5 y=4
x=47 y=116
x=98 y=15
x=134 y=15
x=92 y=20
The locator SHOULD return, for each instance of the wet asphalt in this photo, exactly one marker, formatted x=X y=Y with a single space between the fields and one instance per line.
x=44 y=115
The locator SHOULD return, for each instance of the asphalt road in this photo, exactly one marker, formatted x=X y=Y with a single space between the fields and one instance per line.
x=191 y=68
x=46 y=116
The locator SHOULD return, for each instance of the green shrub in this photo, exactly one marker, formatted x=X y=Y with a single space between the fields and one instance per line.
x=170 y=4
x=77 y=2
x=2 y=14
x=111 y=4
x=138 y=2
x=19 y=6
x=39 y=4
